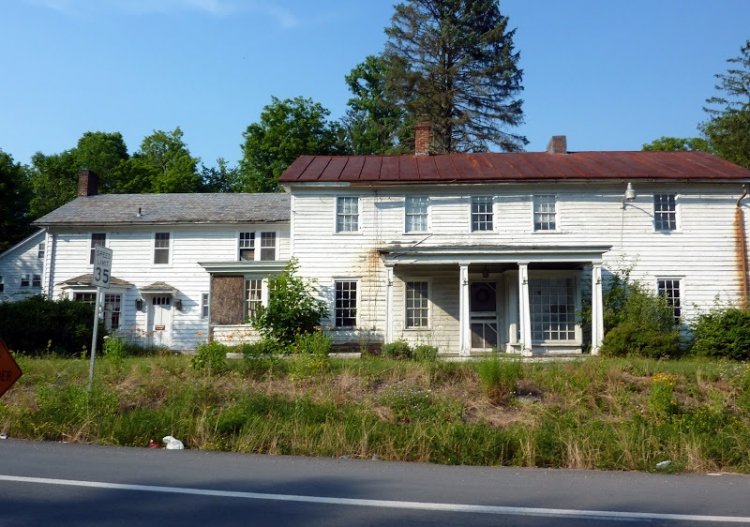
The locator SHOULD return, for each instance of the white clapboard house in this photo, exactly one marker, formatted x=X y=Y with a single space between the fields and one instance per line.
x=184 y=266
x=21 y=268
x=473 y=252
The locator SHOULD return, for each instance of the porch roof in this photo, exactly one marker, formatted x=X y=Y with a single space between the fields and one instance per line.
x=87 y=280
x=242 y=267
x=159 y=288
x=487 y=254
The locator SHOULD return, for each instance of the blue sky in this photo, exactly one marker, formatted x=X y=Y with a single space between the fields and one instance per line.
x=611 y=75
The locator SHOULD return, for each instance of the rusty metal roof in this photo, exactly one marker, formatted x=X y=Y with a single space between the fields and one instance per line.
x=516 y=166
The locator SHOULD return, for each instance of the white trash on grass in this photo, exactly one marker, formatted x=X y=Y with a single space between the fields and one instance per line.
x=172 y=443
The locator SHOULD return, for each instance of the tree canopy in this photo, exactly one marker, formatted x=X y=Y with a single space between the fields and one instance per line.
x=287 y=129
x=166 y=160
x=452 y=63
x=677 y=144
x=14 y=202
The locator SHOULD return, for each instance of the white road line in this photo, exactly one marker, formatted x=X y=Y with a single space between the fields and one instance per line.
x=412 y=505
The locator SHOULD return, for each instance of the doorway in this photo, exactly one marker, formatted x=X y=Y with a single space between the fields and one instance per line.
x=483 y=315
x=160 y=320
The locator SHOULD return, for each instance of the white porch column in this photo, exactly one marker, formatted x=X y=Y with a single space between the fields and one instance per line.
x=463 y=310
x=597 y=308
x=524 y=307
x=388 y=304
x=512 y=304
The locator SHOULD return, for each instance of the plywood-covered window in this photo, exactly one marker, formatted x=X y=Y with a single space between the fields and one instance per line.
x=345 y=305
x=481 y=213
x=227 y=300
x=347 y=214
x=665 y=212
x=416 y=210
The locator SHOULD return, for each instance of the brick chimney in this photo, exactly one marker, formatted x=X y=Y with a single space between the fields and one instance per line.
x=422 y=139
x=558 y=145
x=88 y=183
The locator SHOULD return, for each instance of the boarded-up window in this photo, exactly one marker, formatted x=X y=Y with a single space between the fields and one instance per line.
x=227 y=300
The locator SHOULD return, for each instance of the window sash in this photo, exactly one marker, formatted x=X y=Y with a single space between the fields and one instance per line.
x=253 y=296
x=204 y=305
x=161 y=248
x=553 y=309
x=267 y=245
x=665 y=212
x=40 y=251
x=416 y=212
x=98 y=239
x=545 y=212
x=86 y=297
x=36 y=280
x=347 y=214
x=25 y=280
x=246 y=246
x=481 y=213
x=669 y=289
x=417 y=305
x=345 y=308
x=112 y=309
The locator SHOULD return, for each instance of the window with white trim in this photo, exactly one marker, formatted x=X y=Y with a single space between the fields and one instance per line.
x=204 y=305
x=36 y=280
x=112 y=309
x=553 y=309
x=347 y=214
x=25 y=280
x=40 y=251
x=98 y=239
x=417 y=307
x=665 y=212
x=161 y=248
x=85 y=297
x=345 y=307
x=669 y=289
x=481 y=213
x=545 y=212
x=2 y=284
x=416 y=210
x=247 y=246
x=267 y=246
x=253 y=296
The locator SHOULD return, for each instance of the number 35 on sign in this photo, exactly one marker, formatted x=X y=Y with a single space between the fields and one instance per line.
x=102 y=267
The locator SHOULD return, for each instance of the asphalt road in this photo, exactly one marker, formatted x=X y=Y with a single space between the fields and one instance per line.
x=78 y=485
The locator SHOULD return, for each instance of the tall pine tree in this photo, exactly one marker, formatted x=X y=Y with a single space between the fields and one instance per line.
x=452 y=63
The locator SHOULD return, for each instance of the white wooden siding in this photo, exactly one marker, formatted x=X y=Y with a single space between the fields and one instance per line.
x=21 y=259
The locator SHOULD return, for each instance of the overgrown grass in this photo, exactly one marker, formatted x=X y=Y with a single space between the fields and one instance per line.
x=625 y=414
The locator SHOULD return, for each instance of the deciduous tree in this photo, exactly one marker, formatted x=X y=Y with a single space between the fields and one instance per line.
x=14 y=202
x=166 y=157
x=677 y=144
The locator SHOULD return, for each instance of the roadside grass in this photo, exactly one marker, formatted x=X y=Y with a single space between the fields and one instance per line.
x=596 y=413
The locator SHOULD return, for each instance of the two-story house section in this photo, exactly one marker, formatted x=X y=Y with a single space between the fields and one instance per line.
x=173 y=255
x=21 y=268
x=473 y=252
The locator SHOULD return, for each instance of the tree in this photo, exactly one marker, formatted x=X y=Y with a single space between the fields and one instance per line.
x=287 y=129
x=167 y=159
x=221 y=178
x=14 y=202
x=452 y=62
x=103 y=153
x=676 y=144
x=374 y=122
x=54 y=181
x=728 y=129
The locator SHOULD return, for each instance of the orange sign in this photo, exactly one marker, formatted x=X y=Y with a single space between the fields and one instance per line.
x=9 y=370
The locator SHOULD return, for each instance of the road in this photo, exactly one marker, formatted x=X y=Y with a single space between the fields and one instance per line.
x=80 y=485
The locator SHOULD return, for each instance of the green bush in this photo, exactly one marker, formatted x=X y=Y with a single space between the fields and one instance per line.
x=499 y=378
x=292 y=308
x=723 y=334
x=630 y=339
x=262 y=348
x=211 y=357
x=425 y=352
x=37 y=325
x=398 y=349
x=316 y=343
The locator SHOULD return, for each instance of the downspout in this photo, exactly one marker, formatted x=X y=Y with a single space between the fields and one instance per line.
x=741 y=248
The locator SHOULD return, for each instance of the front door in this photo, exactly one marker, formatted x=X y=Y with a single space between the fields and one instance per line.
x=160 y=320
x=483 y=315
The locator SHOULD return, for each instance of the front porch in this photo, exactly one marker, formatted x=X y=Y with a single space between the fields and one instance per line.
x=469 y=301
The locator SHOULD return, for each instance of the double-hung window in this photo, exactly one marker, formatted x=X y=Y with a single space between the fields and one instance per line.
x=416 y=213
x=112 y=308
x=345 y=308
x=267 y=245
x=669 y=289
x=417 y=309
x=347 y=214
x=98 y=239
x=204 y=305
x=545 y=212
x=253 y=296
x=161 y=248
x=25 y=280
x=36 y=280
x=247 y=246
x=481 y=213
x=665 y=212
x=2 y=284
x=40 y=251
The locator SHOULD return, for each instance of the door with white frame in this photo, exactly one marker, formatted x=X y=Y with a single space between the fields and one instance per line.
x=483 y=315
x=160 y=320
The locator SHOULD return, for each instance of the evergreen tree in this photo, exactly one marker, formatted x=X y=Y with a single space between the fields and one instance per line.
x=452 y=62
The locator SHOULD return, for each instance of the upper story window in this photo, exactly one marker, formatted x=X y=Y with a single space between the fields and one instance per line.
x=25 y=280
x=2 y=284
x=98 y=239
x=347 y=214
x=481 y=213
x=416 y=211
x=247 y=246
x=267 y=245
x=345 y=306
x=669 y=289
x=417 y=309
x=40 y=251
x=665 y=212
x=161 y=248
x=545 y=212
x=36 y=280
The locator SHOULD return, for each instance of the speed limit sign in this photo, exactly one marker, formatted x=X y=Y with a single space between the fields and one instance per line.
x=102 y=267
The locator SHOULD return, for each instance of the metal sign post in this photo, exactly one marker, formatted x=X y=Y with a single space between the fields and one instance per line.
x=101 y=279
